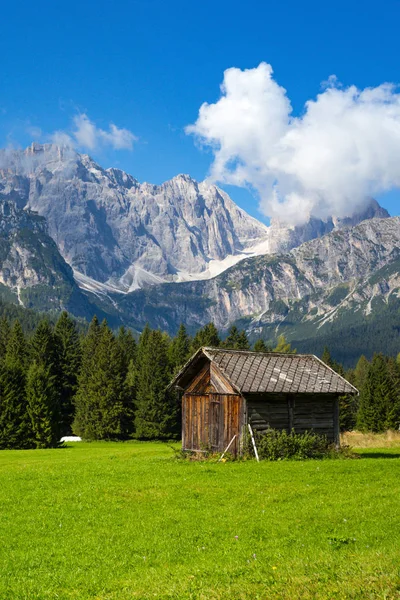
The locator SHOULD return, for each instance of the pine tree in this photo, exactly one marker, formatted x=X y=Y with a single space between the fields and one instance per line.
x=17 y=347
x=361 y=372
x=157 y=412
x=326 y=357
x=88 y=365
x=43 y=348
x=206 y=336
x=104 y=412
x=178 y=351
x=42 y=405
x=15 y=425
x=261 y=346
x=392 y=420
x=68 y=365
x=243 y=342
x=232 y=340
x=283 y=346
x=128 y=346
x=375 y=397
x=5 y=332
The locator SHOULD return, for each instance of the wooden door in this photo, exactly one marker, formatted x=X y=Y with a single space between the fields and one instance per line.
x=209 y=421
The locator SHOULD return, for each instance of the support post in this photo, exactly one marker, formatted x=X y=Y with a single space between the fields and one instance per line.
x=254 y=443
x=336 y=424
x=227 y=448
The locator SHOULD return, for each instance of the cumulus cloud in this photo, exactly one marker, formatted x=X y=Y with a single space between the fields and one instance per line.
x=86 y=134
x=344 y=148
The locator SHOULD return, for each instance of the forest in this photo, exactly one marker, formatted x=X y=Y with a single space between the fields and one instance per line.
x=57 y=379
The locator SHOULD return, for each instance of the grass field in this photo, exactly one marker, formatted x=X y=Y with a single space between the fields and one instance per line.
x=119 y=521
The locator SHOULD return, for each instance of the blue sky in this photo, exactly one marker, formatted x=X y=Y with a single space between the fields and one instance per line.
x=147 y=66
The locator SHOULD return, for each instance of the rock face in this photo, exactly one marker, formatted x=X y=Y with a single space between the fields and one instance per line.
x=181 y=252
x=113 y=229
x=32 y=271
x=345 y=269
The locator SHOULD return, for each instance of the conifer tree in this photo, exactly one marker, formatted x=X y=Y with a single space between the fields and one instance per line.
x=206 y=336
x=43 y=348
x=261 y=346
x=361 y=372
x=178 y=351
x=242 y=342
x=44 y=352
x=392 y=420
x=42 y=405
x=326 y=357
x=5 y=332
x=104 y=412
x=68 y=366
x=283 y=346
x=375 y=397
x=88 y=365
x=232 y=340
x=128 y=346
x=15 y=425
x=157 y=413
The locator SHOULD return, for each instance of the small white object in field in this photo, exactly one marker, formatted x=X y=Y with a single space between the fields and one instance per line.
x=71 y=438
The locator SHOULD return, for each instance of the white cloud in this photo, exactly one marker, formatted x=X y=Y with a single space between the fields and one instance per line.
x=342 y=150
x=86 y=134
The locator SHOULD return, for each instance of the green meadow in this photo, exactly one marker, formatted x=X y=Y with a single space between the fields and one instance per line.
x=127 y=520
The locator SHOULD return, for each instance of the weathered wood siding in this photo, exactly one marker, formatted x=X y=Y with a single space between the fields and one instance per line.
x=267 y=410
x=315 y=412
x=300 y=412
x=211 y=420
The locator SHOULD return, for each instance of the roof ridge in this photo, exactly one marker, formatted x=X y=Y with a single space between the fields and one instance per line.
x=288 y=354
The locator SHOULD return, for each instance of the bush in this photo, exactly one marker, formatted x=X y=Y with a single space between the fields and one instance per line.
x=279 y=445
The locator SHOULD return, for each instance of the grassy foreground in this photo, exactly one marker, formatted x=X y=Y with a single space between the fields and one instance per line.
x=119 y=521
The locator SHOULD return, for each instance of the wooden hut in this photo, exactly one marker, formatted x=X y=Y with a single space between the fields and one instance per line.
x=224 y=390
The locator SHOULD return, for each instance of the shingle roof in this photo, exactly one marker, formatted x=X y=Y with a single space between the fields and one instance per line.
x=257 y=372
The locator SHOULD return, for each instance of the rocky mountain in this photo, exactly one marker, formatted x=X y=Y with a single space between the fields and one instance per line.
x=120 y=235
x=184 y=252
x=110 y=228
x=301 y=293
x=32 y=271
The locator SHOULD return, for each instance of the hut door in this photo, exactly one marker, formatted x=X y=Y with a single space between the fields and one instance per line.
x=214 y=422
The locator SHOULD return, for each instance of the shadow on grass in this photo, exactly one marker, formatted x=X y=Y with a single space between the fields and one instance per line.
x=388 y=454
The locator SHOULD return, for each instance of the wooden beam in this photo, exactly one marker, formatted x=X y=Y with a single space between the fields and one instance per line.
x=336 y=424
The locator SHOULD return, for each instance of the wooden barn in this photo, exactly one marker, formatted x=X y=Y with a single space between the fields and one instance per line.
x=224 y=390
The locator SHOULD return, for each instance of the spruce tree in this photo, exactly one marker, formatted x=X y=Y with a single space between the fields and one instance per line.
x=157 y=412
x=128 y=346
x=283 y=346
x=375 y=397
x=261 y=346
x=15 y=424
x=89 y=346
x=242 y=342
x=206 y=336
x=42 y=405
x=392 y=420
x=43 y=349
x=232 y=340
x=103 y=404
x=178 y=350
x=68 y=366
x=5 y=332
x=326 y=357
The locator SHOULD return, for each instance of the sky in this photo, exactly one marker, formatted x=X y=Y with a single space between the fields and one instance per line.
x=303 y=123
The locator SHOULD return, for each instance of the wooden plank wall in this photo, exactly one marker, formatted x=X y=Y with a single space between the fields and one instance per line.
x=301 y=413
x=315 y=412
x=211 y=420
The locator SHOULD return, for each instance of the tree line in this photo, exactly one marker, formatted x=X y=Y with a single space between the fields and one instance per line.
x=103 y=385
x=377 y=408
